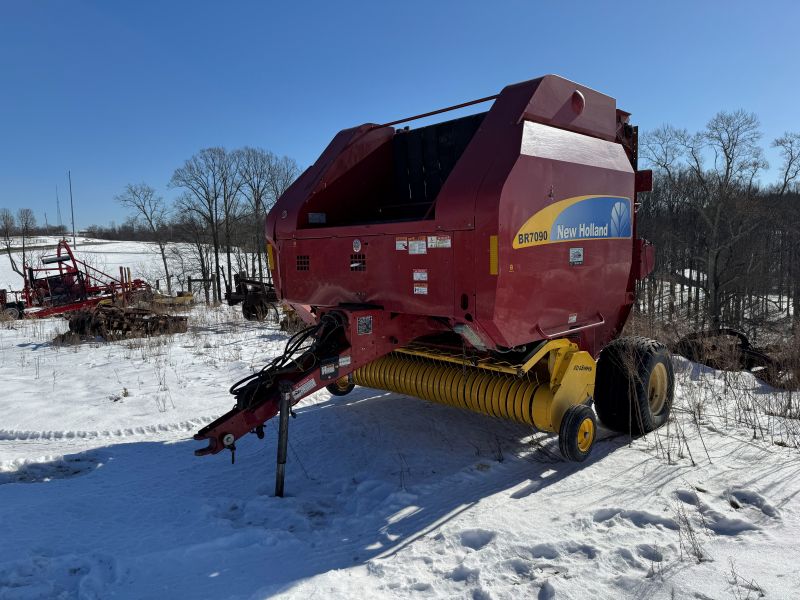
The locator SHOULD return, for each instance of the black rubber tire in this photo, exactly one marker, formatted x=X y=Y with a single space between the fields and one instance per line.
x=253 y=311
x=258 y=309
x=568 y=433
x=624 y=371
x=334 y=388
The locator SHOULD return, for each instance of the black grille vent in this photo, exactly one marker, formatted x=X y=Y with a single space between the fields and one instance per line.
x=303 y=262
x=358 y=262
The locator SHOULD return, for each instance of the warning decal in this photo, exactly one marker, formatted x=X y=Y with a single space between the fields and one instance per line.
x=439 y=241
x=421 y=288
x=303 y=387
x=401 y=243
x=420 y=274
x=417 y=245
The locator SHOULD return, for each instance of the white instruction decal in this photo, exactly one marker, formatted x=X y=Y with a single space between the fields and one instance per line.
x=326 y=370
x=420 y=274
x=303 y=387
x=417 y=245
x=439 y=241
x=344 y=361
x=575 y=256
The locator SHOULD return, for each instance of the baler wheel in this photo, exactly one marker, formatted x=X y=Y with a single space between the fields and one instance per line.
x=342 y=386
x=577 y=433
x=635 y=385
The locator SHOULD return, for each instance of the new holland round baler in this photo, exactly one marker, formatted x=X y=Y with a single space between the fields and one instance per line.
x=488 y=262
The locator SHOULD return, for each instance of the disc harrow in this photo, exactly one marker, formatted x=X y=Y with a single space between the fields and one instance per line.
x=113 y=322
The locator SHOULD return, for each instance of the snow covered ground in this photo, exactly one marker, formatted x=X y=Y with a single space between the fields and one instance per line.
x=388 y=496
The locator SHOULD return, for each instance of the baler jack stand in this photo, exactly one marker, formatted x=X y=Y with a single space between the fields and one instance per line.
x=283 y=436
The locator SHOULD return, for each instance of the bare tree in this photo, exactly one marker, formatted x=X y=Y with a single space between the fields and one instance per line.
x=201 y=176
x=255 y=168
x=151 y=211
x=789 y=144
x=231 y=186
x=26 y=223
x=7 y=225
x=283 y=172
x=716 y=171
x=194 y=231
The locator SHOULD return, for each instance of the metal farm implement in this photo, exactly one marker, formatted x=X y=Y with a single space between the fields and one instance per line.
x=63 y=284
x=97 y=304
x=487 y=262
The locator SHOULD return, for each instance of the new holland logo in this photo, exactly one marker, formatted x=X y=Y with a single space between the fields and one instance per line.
x=579 y=218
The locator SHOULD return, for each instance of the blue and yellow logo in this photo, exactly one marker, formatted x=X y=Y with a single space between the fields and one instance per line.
x=579 y=218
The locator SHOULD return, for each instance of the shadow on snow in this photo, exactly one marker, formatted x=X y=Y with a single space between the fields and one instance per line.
x=367 y=475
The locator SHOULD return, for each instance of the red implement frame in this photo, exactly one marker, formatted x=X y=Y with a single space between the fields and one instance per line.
x=63 y=284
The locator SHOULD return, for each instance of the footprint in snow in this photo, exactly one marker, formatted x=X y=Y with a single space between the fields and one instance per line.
x=519 y=567
x=547 y=591
x=462 y=573
x=476 y=538
x=548 y=551
x=589 y=551
x=718 y=522
x=649 y=552
x=639 y=518
x=480 y=594
x=67 y=576
x=688 y=497
x=69 y=466
x=626 y=558
x=722 y=525
x=740 y=498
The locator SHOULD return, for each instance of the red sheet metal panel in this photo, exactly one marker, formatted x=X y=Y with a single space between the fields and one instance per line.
x=531 y=234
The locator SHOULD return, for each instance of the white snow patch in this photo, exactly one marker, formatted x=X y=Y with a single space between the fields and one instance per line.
x=388 y=496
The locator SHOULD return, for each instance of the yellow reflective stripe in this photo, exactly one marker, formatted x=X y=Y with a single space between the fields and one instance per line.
x=493 y=258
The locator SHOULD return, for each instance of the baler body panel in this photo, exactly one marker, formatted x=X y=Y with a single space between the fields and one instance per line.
x=570 y=280
x=425 y=222
x=482 y=262
x=378 y=274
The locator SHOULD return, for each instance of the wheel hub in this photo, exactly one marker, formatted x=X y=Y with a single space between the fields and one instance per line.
x=585 y=435
x=657 y=388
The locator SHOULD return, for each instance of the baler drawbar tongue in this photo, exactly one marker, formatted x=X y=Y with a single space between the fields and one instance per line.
x=275 y=388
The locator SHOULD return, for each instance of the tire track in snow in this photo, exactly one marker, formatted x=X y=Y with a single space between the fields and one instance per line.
x=18 y=435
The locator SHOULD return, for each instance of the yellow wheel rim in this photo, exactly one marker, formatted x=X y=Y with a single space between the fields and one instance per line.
x=585 y=435
x=657 y=388
x=343 y=383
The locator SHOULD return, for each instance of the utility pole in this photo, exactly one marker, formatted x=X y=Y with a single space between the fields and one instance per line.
x=72 y=209
x=58 y=208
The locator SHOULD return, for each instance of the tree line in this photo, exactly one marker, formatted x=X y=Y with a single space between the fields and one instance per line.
x=23 y=225
x=727 y=247
x=219 y=215
x=217 y=218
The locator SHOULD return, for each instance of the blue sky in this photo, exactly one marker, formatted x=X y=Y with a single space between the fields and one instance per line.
x=123 y=92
